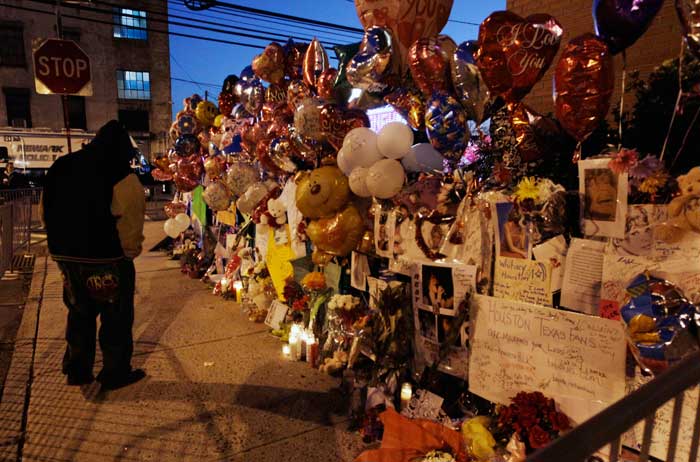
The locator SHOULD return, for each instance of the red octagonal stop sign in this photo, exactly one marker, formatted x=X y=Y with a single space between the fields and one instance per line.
x=62 y=67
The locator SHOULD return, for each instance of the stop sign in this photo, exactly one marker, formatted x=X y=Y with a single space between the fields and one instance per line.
x=60 y=66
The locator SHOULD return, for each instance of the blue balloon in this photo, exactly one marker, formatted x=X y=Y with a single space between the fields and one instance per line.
x=446 y=125
x=621 y=22
x=247 y=74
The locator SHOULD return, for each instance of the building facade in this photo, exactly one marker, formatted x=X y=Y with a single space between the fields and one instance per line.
x=130 y=67
x=661 y=42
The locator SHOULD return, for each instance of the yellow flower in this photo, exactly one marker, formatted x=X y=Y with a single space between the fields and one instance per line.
x=527 y=189
x=314 y=281
x=480 y=441
x=653 y=183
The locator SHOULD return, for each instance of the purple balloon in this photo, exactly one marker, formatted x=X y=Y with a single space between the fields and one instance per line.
x=621 y=22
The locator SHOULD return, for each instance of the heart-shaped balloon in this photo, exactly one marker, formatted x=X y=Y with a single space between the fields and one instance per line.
x=514 y=53
x=446 y=125
x=689 y=15
x=326 y=84
x=468 y=83
x=315 y=62
x=336 y=122
x=294 y=59
x=270 y=64
x=226 y=102
x=281 y=154
x=253 y=95
x=408 y=20
x=161 y=175
x=429 y=61
x=410 y=104
x=621 y=22
x=373 y=62
x=522 y=120
x=583 y=85
x=185 y=183
x=190 y=166
x=172 y=209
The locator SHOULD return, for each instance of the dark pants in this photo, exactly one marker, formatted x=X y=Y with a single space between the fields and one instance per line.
x=106 y=290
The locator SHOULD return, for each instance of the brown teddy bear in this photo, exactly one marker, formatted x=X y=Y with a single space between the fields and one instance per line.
x=683 y=210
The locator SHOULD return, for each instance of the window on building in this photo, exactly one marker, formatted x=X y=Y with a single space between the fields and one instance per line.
x=134 y=85
x=130 y=24
x=134 y=120
x=76 y=112
x=71 y=33
x=12 y=40
x=19 y=112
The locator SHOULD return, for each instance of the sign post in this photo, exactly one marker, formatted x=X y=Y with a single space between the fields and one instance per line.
x=61 y=67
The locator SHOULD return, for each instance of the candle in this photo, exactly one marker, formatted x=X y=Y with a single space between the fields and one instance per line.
x=286 y=351
x=224 y=284
x=311 y=350
x=302 y=344
x=238 y=287
x=406 y=394
x=294 y=348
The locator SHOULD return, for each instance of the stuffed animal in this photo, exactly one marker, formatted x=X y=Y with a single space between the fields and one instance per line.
x=683 y=211
x=277 y=213
x=332 y=365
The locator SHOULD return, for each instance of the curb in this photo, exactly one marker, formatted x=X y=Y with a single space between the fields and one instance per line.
x=17 y=384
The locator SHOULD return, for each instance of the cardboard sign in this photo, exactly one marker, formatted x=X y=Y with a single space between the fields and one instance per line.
x=576 y=359
x=523 y=280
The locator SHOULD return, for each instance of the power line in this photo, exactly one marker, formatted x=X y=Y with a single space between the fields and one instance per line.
x=195 y=82
x=177 y=63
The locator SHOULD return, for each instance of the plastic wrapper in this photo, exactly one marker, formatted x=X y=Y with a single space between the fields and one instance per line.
x=661 y=323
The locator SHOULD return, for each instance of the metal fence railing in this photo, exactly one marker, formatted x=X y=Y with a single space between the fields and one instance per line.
x=603 y=432
x=6 y=244
x=19 y=214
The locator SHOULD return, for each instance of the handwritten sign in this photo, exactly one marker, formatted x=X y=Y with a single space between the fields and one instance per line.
x=662 y=425
x=523 y=281
x=579 y=360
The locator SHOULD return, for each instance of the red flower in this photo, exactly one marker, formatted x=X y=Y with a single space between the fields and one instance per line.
x=527 y=416
x=559 y=421
x=505 y=416
x=538 y=437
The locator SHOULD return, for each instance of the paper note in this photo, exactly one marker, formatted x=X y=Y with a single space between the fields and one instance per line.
x=553 y=252
x=578 y=360
x=523 y=281
x=359 y=270
x=276 y=314
x=662 y=425
x=278 y=262
x=583 y=275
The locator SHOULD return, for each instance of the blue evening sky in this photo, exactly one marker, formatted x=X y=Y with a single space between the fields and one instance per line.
x=210 y=63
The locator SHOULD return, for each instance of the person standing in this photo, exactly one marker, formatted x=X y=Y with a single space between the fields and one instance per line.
x=93 y=209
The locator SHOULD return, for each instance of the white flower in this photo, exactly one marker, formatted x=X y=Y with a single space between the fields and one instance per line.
x=546 y=188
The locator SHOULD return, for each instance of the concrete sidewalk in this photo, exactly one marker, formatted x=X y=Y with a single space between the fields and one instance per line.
x=217 y=387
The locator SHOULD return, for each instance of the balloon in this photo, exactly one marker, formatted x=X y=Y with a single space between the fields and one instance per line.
x=229 y=84
x=252 y=197
x=429 y=60
x=226 y=102
x=253 y=95
x=344 y=53
x=213 y=167
x=583 y=85
x=514 y=53
x=522 y=121
x=620 y=23
x=297 y=92
x=358 y=182
x=186 y=145
x=192 y=102
x=185 y=183
x=218 y=121
x=408 y=20
x=161 y=175
x=468 y=83
x=339 y=234
x=183 y=220
x=446 y=125
x=217 y=196
x=276 y=94
x=369 y=67
x=689 y=15
x=385 y=178
x=247 y=74
x=295 y=59
x=161 y=162
x=360 y=148
x=281 y=152
x=270 y=64
x=171 y=228
x=422 y=158
x=337 y=122
x=240 y=176
x=307 y=119
x=315 y=62
x=344 y=162
x=395 y=140
x=206 y=113
x=187 y=123
x=326 y=83
x=322 y=192
x=239 y=112
x=410 y=104
x=172 y=209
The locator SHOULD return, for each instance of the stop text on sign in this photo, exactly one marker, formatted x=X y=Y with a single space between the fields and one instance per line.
x=62 y=67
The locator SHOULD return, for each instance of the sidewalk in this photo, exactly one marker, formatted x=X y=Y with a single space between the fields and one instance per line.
x=217 y=388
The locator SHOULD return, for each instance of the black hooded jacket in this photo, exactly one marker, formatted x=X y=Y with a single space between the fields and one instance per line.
x=77 y=198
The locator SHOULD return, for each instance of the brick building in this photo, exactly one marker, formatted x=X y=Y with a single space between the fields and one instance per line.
x=661 y=42
x=130 y=68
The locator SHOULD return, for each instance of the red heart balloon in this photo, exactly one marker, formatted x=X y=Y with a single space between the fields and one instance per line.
x=337 y=122
x=190 y=166
x=429 y=60
x=185 y=183
x=161 y=175
x=270 y=64
x=583 y=85
x=522 y=119
x=514 y=53
x=325 y=86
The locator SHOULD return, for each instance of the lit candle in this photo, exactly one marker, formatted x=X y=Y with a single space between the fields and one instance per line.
x=286 y=351
x=311 y=350
x=224 y=285
x=406 y=394
x=238 y=287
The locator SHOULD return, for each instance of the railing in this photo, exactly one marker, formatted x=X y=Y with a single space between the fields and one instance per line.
x=6 y=244
x=605 y=429
x=19 y=214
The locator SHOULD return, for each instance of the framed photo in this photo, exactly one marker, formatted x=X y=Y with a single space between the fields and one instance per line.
x=512 y=237
x=441 y=287
x=604 y=195
x=276 y=314
x=431 y=231
x=384 y=231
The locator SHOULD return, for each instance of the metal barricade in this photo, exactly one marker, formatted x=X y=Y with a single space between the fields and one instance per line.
x=20 y=214
x=603 y=432
x=6 y=244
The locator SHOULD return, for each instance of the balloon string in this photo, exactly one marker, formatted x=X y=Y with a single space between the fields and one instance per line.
x=685 y=138
x=678 y=99
x=622 y=97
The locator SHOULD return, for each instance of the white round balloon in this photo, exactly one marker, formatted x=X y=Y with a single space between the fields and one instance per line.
x=344 y=163
x=395 y=140
x=171 y=228
x=385 y=178
x=422 y=158
x=183 y=221
x=360 y=146
x=358 y=182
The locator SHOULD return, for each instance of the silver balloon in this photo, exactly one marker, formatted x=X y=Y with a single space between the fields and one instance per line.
x=253 y=96
x=468 y=83
x=369 y=67
x=689 y=14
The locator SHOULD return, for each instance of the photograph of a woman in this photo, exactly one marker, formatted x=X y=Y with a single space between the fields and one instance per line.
x=438 y=287
x=427 y=325
x=600 y=197
x=513 y=238
x=604 y=194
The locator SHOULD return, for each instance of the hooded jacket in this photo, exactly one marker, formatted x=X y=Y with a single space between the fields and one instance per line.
x=93 y=205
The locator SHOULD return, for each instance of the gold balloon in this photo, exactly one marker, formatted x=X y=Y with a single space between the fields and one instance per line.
x=322 y=192
x=339 y=234
x=315 y=62
x=206 y=113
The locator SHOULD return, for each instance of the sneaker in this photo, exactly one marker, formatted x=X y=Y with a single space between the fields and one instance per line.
x=132 y=377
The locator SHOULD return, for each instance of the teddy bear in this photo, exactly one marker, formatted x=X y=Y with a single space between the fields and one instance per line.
x=683 y=210
x=332 y=365
x=275 y=215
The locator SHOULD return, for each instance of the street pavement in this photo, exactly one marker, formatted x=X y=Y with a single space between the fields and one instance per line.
x=217 y=388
